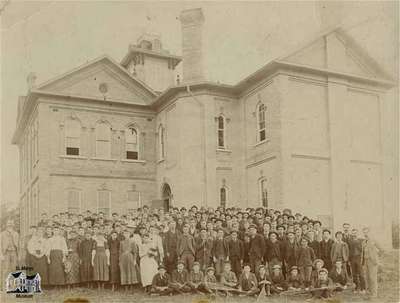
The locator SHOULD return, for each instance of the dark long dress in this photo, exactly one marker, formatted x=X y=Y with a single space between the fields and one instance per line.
x=56 y=267
x=72 y=273
x=100 y=266
x=129 y=271
x=85 y=254
x=39 y=265
x=114 y=246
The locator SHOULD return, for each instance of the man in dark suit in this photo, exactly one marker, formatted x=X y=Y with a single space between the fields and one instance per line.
x=203 y=248
x=170 y=241
x=257 y=248
x=325 y=247
x=236 y=253
x=186 y=247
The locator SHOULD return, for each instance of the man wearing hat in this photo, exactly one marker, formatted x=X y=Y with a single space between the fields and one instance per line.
x=294 y=280
x=9 y=249
x=160 y=283
x=196 y=278
x=170 y=246
x=277 y=280
x=220 y=252
x=256 y=249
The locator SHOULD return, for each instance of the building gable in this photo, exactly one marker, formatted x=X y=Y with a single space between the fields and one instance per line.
x=101 y=79
x=337 y=51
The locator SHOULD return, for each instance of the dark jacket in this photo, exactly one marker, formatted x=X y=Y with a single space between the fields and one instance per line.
x=340 y=278
x=257 y=247
x=236 y=249
x=355 y=248
x=180 y=277
x=220 y=248
x=306 y=256
x=291 y=253
x=273 y=251
x=248 y=283
x=159 y=281
x=181 y=244
x=325 y=251
x=203 y=249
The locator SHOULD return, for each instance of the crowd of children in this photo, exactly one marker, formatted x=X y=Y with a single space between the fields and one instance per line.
x=233 y=251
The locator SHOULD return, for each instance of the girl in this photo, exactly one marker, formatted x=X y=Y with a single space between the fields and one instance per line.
x=148 y=263
x=127 y=261
x=100 y=260
x=72 y=276
x=114 y=246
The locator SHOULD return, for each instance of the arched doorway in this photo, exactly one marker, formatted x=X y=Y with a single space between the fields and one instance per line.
x=166 y=196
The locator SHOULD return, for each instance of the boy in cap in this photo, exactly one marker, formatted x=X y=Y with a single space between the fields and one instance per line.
x=339 y=275
x=278 y=283
x=236 y=252
x=294 y=281
x=220 y=252
x=248 y=284
x=196 y=278
x=160 y=283
x=209 y=280
x=228 y=277
x=317 y=265
x=323 y=286
x=180 y=279
x=263 y=278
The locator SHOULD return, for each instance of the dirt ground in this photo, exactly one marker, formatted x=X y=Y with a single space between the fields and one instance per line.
x=388 y=292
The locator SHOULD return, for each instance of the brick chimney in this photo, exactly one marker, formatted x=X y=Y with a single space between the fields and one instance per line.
x=192 y=44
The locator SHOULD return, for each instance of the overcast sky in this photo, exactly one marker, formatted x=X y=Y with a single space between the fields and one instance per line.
x=50 y=38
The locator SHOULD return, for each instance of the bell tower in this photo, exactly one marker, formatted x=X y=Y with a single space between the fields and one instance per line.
x=150 y=63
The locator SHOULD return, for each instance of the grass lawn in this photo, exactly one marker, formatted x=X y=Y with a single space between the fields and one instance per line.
x=388 y=277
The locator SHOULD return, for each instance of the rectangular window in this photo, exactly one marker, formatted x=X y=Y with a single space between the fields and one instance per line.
x=133 y=200
x=264 y=192
x=74 y=201
x=104 y=202
x=133 y=155
x=262 y=135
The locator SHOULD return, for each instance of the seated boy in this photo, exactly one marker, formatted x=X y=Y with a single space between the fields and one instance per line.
x=196 y=278
x=210 y=280
x=160 y=283
x=228 y=277
x=324 y=285
x=317 y=265
x=248 y=282
x=263 y=279
x=278 y=283
x=180 y=279
x=339 y=275
x=294 y=281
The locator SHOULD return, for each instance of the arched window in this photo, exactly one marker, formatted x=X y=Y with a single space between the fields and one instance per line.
x=221 y=132
x=103 y=140
x=263 y=192
x=222 y=196
x=132 y=143
x=261 y=109
x=72 y=137
x=161 y=142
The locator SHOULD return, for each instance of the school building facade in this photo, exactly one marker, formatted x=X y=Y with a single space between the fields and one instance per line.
x=306 y=131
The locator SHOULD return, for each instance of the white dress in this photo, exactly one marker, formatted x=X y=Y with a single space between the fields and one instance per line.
x=148 y=264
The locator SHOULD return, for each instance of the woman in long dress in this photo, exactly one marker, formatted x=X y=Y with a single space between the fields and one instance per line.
x=114 y=246
x=127 y=261
x=100 y=260
x=56 y=254
x=72 y=263
x=37 y=248
x=148 y=262
x=85 y=248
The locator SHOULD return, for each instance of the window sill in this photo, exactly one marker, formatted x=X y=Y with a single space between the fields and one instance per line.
x=73 y=157
x=261 y=142
x=223 y=150
x=104 y=159
x=160 y=161
x=133 y=161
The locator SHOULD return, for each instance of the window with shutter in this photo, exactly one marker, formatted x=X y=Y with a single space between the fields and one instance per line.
x=132 y=143
x=72 y=137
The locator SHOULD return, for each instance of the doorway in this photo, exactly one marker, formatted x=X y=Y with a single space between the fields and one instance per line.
x=166 y=196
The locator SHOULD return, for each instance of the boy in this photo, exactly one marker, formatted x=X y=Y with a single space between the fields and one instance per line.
x=317 y=265
x=263 y=279
x=180 y=279
x=236 y=252
x=248 y=282
x=305 y=261
x=228 y=277
x=196 y=278
x=220 y=252
x=160 y=283
x=294 y=281
x=355 y=248
x=210 y=280
x=277 y=280
x=323 y=286
x=339 y=275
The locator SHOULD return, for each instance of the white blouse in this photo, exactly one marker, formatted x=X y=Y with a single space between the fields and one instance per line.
x=57 y=242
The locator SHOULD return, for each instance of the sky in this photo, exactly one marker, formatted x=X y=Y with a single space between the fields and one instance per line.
x=53 y=37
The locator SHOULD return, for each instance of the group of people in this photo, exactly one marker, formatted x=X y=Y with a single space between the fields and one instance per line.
x=218 y=251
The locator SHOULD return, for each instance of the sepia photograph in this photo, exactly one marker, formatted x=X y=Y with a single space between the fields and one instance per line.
x=199 y=151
